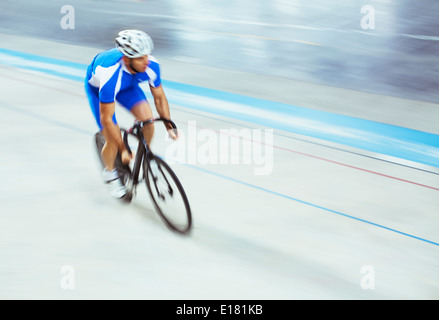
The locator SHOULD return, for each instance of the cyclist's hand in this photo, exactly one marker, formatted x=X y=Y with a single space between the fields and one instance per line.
x=172 y=132
x=126 y=157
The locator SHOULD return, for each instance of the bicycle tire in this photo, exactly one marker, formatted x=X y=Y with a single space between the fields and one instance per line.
x=99 y=141
x=184 y=224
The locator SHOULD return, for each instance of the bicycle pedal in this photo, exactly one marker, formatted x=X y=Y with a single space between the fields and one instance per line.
x=128 y=197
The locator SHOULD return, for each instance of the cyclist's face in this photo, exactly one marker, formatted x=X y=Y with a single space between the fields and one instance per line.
x=139 y=64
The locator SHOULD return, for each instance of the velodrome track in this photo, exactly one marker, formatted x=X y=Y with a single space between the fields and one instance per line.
x=305 y=230
x=324 y=221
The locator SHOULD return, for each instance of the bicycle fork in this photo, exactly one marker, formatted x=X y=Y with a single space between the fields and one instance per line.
x=155 y=170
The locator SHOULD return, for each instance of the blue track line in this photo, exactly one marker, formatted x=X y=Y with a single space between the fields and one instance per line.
x=309 y=204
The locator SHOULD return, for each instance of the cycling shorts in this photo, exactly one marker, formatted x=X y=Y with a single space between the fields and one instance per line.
x=127 y=98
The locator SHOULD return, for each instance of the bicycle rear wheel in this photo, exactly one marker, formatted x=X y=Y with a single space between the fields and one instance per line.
x=167 y=194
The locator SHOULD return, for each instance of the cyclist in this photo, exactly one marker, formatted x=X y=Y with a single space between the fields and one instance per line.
x=114 y=75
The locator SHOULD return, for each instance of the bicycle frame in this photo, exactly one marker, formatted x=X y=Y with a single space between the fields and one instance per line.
x=161 y=181
x=143 y=149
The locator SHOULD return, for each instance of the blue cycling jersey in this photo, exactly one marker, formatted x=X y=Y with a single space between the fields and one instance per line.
x=108 y=80
x=109 y=74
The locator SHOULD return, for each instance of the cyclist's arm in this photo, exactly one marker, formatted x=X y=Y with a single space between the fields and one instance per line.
x=111 y=130
x=161 y=102
x=162 y=106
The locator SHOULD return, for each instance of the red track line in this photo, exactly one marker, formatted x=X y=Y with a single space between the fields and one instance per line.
x=357 y=168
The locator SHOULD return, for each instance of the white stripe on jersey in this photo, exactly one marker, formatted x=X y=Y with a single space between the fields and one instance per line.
x=151 y=73
x=102 y=75
x=152 y=76
x=118 y=83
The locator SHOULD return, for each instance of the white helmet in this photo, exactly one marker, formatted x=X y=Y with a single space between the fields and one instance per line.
x=134 y=43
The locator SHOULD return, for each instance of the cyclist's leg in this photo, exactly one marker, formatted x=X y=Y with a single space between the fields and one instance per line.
x=93 y=98
x=135 y=101
x=109 y=151
x=142 y=111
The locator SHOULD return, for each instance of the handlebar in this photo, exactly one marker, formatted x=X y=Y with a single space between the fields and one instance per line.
x=139 y=125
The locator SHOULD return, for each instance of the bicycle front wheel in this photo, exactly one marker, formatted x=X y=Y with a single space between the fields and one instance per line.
x=167 y=194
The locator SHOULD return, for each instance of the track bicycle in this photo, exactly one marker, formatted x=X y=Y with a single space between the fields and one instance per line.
x=164 y=187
